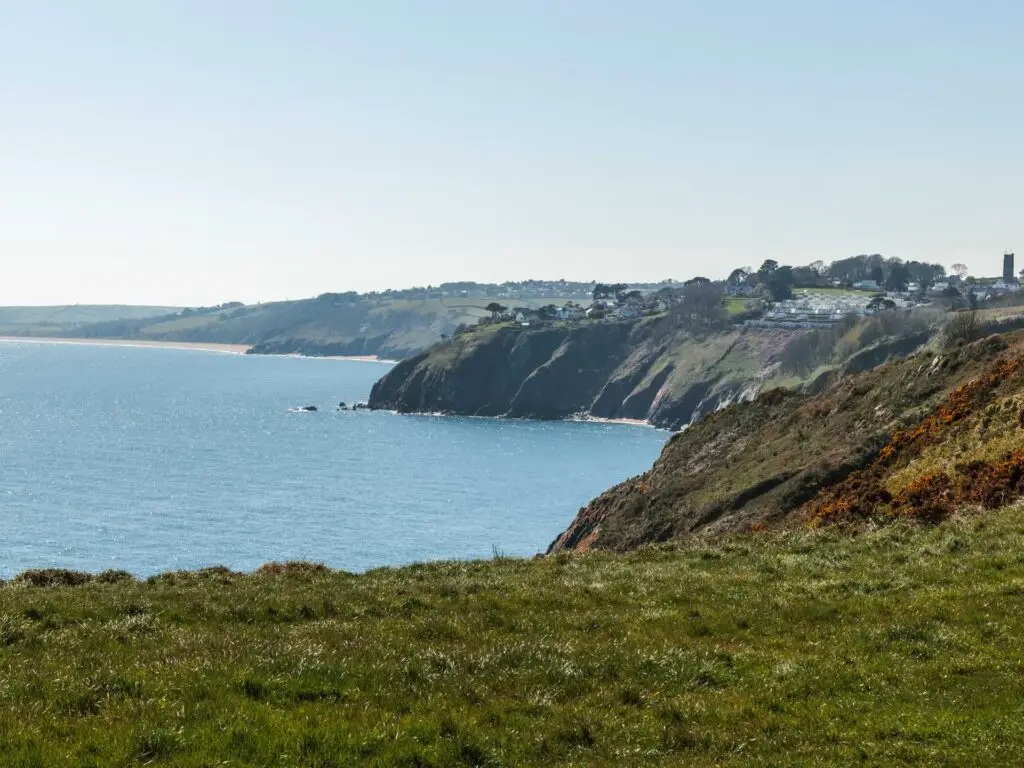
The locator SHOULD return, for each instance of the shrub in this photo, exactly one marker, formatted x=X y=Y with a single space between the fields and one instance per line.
x=963 y=328
x=292 y=568
x=52 y=577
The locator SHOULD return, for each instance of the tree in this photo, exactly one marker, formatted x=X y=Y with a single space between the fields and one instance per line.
x=769 y=267
x=807 y=277
x=880 y=303
x=877 y=274
x=899 y=278
x=963 y=328
x=739 y=276
x=700 y=308
x=961 y=270
x=696 y=281
x=925 y=275
x=818 y=266
x=780 y=283
x=495 y=309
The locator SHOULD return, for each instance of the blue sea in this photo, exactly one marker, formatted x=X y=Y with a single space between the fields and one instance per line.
x=152 y=460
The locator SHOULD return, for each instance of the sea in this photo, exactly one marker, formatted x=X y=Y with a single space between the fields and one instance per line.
x=157 y=459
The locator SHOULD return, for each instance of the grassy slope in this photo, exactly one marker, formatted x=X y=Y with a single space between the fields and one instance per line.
x=902 y=646
x=787 y=456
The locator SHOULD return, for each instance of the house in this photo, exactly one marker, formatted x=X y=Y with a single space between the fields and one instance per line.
x=569 y=313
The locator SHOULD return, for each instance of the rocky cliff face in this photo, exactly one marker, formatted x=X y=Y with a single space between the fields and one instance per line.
x=644 y=370
x=916 y=437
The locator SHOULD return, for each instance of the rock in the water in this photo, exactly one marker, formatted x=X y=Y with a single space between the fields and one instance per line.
x=342 y=405
x=308 y=408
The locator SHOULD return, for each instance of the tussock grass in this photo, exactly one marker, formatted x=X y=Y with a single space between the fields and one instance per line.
x=902 y=646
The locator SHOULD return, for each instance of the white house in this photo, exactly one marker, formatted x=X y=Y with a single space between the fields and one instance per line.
x=570 y=313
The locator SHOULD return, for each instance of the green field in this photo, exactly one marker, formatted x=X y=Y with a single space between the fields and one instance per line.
x=899 y=647
x=736 y=306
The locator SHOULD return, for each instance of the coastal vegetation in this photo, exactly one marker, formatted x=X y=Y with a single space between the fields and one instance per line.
x=921 y=436
x=900 y=646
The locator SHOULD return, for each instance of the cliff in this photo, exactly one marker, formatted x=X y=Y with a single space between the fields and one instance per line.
x=643 y=369
x=919 y=437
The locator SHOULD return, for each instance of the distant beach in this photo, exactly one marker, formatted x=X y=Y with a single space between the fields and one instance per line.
x=203 y=346
x=237 y=349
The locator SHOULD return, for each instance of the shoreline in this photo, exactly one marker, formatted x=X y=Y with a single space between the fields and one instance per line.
x=235 y=349
x=353 y=358
x=195 y=346
x=578 y=419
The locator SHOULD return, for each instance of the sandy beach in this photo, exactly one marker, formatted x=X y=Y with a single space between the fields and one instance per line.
x=234 y=349
x=237 y=349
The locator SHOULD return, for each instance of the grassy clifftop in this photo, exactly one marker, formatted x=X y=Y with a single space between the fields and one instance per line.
x=898 y=647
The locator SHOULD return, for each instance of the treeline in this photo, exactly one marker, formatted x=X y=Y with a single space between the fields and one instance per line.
x=777 y=281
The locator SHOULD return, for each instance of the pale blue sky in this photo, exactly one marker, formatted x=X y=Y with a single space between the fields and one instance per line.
x=198 y=152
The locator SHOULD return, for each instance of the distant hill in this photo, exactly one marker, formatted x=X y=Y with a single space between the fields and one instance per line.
x=394 y=323
x=59 y=319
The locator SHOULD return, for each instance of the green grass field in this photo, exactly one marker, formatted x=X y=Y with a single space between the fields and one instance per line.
x=736 y=306
x=900 y=647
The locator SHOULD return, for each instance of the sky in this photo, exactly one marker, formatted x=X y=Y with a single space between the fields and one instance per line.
x=191 y=153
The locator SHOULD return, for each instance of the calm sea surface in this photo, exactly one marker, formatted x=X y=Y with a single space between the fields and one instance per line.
x=158 y=459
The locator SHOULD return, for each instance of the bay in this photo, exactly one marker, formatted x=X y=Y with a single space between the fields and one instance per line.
x=151 y=460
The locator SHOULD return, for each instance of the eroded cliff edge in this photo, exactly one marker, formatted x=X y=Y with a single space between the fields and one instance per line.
x=643 y=369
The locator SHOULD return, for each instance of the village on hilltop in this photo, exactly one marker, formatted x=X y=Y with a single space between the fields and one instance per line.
x=773 y=296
